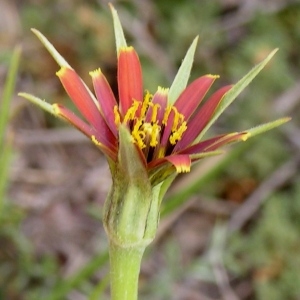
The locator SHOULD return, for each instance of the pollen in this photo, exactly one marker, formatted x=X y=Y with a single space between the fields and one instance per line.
x=117 y=115
x=150 y=129
x=155 y=108
x=177 y=135
x=131 y=112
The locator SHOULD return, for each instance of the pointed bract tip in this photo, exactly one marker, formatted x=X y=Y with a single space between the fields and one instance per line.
x=119 y=34
x=111 y=6
x=57 y=57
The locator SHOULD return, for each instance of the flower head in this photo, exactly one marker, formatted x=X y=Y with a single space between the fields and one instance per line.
x=146 y=138
x=166 y=128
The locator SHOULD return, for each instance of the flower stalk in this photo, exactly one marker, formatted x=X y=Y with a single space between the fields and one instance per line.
x=125 y=266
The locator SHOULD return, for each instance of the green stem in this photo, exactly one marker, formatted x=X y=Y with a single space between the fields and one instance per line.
x=124 y=271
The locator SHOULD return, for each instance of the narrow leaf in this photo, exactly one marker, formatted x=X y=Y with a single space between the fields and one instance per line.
x=231 y=95
x=196 y=157
x=8 y=90
x=183 y=74
x=119 y=34
x=267 y=126
x=58 y=58
x=41 y=103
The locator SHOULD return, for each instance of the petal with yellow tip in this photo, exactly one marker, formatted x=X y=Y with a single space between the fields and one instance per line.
x=81 y=97
x=192 y=96
x=74 y=120
x=182 y=163
x=159 y=104
x=130 y=82
x=215 y=143
x=106 y=98
x=201 y=118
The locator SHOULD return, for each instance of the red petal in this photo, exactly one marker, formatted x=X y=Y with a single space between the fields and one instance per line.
x=83 y=100
x=130 y=82
x=214 y=143
x=106 y=98
x=74 y=120
x=160 y=98
x=106 y=146
x=201 y=118
x=192 y=96
x=181 y=162
x=242 y=136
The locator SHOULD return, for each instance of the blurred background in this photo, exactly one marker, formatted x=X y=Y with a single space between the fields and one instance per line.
x=229 y=229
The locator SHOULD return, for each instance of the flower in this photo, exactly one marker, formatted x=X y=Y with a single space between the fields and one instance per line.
x=166 y=128
x=146 y=138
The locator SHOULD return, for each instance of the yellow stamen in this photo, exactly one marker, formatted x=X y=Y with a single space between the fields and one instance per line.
x=155 y=108
x=146 y=103
x=117 y=115
x=178 y=118
x=130 y=114
x=138 y=134
x=154 y=134
x=177 y=135
x=166 y=115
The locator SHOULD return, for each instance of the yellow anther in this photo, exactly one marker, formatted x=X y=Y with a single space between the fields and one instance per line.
x=138 y=134
x=117 y=115
x=130 y=114
x=177 y=118
x=146 y=103
x=166 y=115
x=154 y=135
x=177 y=135
x=155 y=108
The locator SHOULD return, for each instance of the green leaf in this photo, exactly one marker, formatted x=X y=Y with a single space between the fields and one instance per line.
x=183 y=74
x=9 y=87
x=231 y=95
x=129 y=158
x=6 y=144
x=58 y=58
x=267 y=126
x=206 y=154
x=119 y=34
x=41 y=103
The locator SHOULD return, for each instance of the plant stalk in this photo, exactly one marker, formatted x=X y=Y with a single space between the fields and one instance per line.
x=125 y=266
